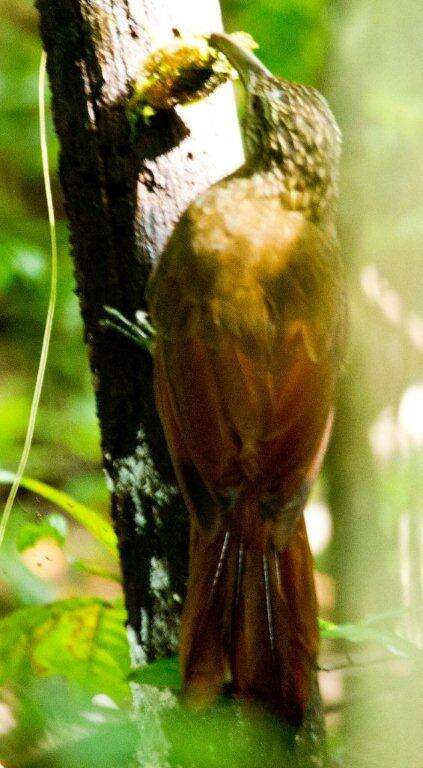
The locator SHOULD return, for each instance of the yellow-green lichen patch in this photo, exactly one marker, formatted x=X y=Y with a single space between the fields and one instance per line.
x=186 y=70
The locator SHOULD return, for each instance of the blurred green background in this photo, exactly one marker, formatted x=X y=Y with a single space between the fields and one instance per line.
x=366 y=520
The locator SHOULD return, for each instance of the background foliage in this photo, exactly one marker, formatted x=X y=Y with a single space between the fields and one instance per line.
x=363 y=55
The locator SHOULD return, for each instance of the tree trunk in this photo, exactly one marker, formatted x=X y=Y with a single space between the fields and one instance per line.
x=123 y=197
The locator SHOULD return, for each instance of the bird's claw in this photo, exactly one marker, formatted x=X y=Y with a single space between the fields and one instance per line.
x=141 y=332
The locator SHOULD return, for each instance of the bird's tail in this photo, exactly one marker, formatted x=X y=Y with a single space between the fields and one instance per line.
x=251 y=618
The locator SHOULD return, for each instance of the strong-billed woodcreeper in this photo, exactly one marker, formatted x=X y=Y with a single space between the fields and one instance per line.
x=248 y=302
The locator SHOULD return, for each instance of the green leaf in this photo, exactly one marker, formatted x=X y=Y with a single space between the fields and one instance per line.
x=93 y=570
x=85 y=516
x=30 y=534
x=81 y=639
x=163 y=673
x=232 y=734
x=363 y=633
x=63 y=726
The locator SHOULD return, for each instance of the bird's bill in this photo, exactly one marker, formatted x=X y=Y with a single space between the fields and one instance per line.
x=242 y=60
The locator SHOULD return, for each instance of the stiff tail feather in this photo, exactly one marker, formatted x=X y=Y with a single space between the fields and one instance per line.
x=251 y=618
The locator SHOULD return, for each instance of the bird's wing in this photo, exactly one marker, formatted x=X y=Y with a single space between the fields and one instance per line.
x=246 y=361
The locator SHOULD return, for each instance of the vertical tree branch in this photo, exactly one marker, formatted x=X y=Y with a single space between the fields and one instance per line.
x=122 y=199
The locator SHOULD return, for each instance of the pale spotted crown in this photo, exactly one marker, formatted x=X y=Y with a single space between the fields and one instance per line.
x=289 y=130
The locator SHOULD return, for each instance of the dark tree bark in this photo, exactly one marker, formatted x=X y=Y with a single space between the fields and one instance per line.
x=122 y=197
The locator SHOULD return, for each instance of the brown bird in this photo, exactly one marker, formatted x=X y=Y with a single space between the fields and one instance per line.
x=248 y=302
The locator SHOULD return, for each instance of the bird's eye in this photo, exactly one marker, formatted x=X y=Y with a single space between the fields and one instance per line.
x=256 y=103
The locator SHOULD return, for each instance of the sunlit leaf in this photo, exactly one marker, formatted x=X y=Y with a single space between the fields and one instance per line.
x=32 y=533
x=82 y=639
x=92 y=570
x=85 y=516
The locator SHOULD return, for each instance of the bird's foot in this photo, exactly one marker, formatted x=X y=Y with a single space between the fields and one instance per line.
x=141 y=332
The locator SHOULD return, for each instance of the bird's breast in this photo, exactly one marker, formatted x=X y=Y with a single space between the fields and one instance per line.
x=242 y=236
x=240 y=263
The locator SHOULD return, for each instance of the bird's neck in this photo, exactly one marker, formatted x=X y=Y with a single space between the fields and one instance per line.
x=282 y=179
x=303 y=177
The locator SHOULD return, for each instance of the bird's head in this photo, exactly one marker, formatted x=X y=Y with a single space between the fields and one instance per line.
x=288 y=128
